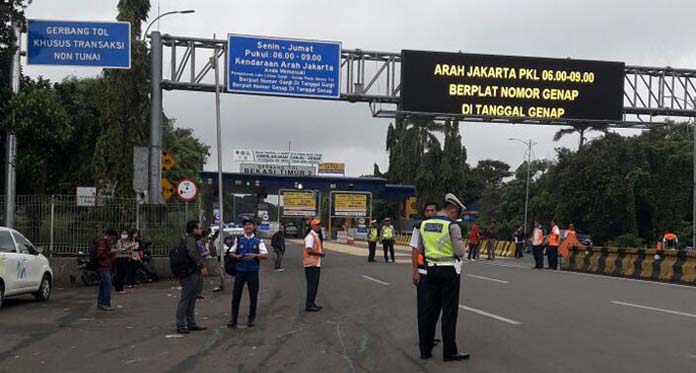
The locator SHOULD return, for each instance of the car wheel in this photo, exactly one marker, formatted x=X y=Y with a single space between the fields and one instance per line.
x=44 y=291
x=2 y=294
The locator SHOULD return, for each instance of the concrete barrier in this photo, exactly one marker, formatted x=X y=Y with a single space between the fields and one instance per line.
x=674 y=266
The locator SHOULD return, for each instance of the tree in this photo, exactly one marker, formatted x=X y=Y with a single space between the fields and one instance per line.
x=125 y=110
x=580 y=129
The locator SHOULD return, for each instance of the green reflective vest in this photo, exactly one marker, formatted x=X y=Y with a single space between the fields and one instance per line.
x=373 y=236
x=388 y=232
x=436 y=239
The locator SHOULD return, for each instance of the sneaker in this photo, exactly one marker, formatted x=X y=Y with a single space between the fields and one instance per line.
x=218 y=289
x=232 y=324
x=200 y=297
x=473 y=260
x=281 y=270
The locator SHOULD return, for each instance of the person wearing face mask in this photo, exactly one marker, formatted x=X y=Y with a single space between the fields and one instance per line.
x=124 y=251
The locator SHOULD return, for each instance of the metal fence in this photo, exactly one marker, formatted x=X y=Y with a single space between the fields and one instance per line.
x=58 y=225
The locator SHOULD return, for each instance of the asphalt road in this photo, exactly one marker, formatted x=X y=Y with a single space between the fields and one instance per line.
x=512 y=319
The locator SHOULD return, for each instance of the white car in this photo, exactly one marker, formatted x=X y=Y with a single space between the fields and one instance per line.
x=23 y=269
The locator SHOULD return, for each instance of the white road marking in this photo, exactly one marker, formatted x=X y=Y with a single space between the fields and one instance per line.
x=488 y=278
x=492 y=316
x=654 y=309
x=375 y=280
x=594 y=275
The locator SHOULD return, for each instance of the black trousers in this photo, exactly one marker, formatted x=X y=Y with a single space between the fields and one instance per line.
x=312 y=276
x=442 y=289
x=422 y=303
x=552 y=253
x=186 y=310
x=473 y=251
x=130 y=272
x=519 y=249
x=538 y=252
x=251 y=280
x=372 y=247
x=388 y=246
x=121 y=271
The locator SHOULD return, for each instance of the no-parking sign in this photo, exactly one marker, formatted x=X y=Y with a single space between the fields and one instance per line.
x=186 y=189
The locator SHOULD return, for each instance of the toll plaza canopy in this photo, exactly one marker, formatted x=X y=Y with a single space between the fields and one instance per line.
x=271 y=184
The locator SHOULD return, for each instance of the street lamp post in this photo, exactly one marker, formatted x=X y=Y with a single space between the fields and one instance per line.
x=529 y=145
x=188 y=11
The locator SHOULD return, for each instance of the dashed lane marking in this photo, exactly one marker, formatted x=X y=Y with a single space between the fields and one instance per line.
x=488 y=314
x=654 y=309
x=375 y=280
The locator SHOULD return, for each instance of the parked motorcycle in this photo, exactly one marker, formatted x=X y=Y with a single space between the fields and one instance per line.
x=146 y=269
x=88 y=275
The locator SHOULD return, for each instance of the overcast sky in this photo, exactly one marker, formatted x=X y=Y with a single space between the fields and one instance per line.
x=645 y=32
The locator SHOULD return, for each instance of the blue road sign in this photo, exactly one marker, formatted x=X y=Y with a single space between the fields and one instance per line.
x=98 y=44
x=283 y=67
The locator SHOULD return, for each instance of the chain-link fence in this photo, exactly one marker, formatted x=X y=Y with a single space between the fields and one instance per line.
x=60 y=226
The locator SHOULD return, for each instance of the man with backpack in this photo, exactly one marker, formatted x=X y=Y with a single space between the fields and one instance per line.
x=187 y=265
x=101 y=257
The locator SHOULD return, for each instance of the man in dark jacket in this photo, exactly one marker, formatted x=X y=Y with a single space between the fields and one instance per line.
x=278 y=244
x=186 y=310
x=105 y=253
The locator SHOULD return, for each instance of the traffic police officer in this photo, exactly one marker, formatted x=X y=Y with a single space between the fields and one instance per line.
x=442 y=246
x=419 y=274
x=372 y=238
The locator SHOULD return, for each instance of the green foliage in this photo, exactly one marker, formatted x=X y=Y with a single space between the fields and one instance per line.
x=628 y=240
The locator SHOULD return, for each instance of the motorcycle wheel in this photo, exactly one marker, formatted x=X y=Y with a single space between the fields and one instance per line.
x=90 y=278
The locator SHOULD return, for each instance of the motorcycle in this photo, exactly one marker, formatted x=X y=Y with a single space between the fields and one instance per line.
x=146 y=269
x=88 y=275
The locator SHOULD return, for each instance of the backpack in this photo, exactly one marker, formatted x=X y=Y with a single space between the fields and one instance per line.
x=93 y=262
x=230 y=264
x=180 y=263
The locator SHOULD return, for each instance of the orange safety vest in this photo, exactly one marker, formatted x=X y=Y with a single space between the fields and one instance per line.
x=554 y=239
x=670 y=240
x=308 y=259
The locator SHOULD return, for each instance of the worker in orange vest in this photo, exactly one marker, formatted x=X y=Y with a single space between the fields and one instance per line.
x=554 y=243
x=570 y=241
x=670 y=240
x=420 y=275
x=312 y=254
x=538 y=246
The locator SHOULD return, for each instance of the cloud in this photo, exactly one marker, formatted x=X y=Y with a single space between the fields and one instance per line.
x=637 y=32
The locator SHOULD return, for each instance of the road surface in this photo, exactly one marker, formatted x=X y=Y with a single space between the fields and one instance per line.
x=512 y=319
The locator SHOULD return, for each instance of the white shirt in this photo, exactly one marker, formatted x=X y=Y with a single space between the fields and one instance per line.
x=535 y=237
x=415 y=238
x=262 y=246
x=309 y=242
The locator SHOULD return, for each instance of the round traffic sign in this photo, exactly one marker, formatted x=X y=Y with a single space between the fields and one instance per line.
x=361 y=220
x=265 y=217
x=186 y=189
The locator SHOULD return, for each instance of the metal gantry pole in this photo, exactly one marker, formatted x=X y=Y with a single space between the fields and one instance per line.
x=219 y=161
x=693 y=187
x=11 y=154
x=155 y=146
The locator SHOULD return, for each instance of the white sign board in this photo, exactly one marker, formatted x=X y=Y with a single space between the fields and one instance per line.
x=276 y=169
x=86 y=196
x=272 y=156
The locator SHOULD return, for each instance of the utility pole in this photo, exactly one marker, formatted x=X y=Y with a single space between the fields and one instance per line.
x=526 y=198
x=155 y=146
x=11 y=154
x=219 y=160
